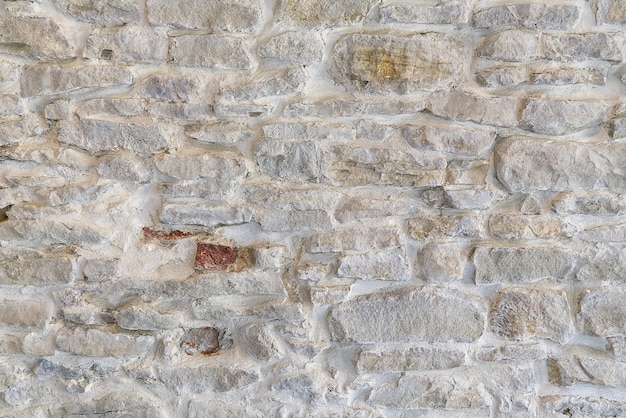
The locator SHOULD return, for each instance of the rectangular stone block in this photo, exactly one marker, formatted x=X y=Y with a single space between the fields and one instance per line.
x=129 y=44
x=293 y=161
x=209 y=166
x=355 y=240
x=388 y=265
x=296 y=220
x=497 y=111
x=611 y=12
x=524 y=164
x=560 y=117
x=202 y=214
x=293 y=47
x=430 y=226
x=540 y=74
x=324 y=13
x=111 y=13
x=522 y=227
x=217 y=52
x=452 y=139
x=35 y=269
x=573 y=405
x=597 y=204
x=447 y=14
x=586 y=365
x=97 y=108
x=532 y=16
x=408 y=359
x=360 y=208
x=35 y=37
x=379 y=63
x=602 y=311
x=514 y=45
x=582 y=47
x=31 y=312
x=605 y=263
x=412 y=315
x=512 y=352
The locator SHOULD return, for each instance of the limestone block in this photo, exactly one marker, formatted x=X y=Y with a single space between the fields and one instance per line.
x=32 y=268
x=611 y=12
x=210 y=166
x=602 y=311
x=519 y=227
x=129 y=44
x=580 y=406
x=511 y=45
x=145 y=317
x=202 y=214
x=107 y=13
x=412 y=358
x=388 y=265
x=324 y=12
x=446 y=14
x=442 y=262
x=560 y=117
x=125 y=167
x=582 y=47
x=585 y=365
x=100 y=108
x=345 y=240
x=32 y=312
x=607 y=263
x=497 y=111
x=218 y=52
x=452 y=139
x=427 y=227
x=532 y=16
x=294 y=47
x=34 y=37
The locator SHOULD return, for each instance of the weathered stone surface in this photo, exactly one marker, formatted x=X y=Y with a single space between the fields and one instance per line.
x=603 y=312
x=201 y=379
x=517 y=352
x=607 y=263
x=379 y=63
x=522 y=265
x=218 y=52
x=308 y=132
x=617 y=128
x=560 y=117
x=32 y=312
x=280 y=82
x=298 y=161
x=180 y=111
x=611 y=12
x=426 y=227
x=216 y=16
x=585 y=365
x=524 y=165
x=45 y=80
x=422 y=314
x=168 y=88
x=145 y=317
x=38 y=38
x=578 y=406
x=355 y=240
x=412 y=358
x=215 y=257
x=294 y=220
x=518 y=314
x=348 y=166
x=461 y=391
x=532 y=16
x=208 y=166
x=109 y=13
x=442 y=262
x=10 y=105
x=445 y=14
x=519 y=227
x=201 y=340
x=136 y=403
x=293 y=47
x=125 y=167
x=132 y=44
x=388 y=265
x=275 y=198
x=604 y=233
x=202 y=214
x=324 y=12
x=540 y=73
x=588 y=204
x=355 y=209
x=581 y=47
x=100 y=270
x=31 y=268
x=96 y=136
x=220 y=132
x=343 y=108
x=497 y=111
x=511 y=45
x=47 y=232
x=99 y=108
x=455 y=140
x=618 y=347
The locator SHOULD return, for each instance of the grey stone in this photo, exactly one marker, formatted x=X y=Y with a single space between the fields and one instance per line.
x=273 y=198
x=167 y=88
x=101 y=270
x=602 y=311
x=524 y=165
x=218 y=52
x=180 y=111
x=607 y=263
x=540 y=74
x=579 y=406
x=324 y=12
x=199 y=379
x=497 y=111
x=357 y=209
x=447 y=392
x=298 y=161
x=293 y=47
x=216 y=16
x=388 y=265
x=32 y=312
x=99 y=108
x=511 y=45
x=588 y=204
x=202 y=214
x=355 y=240
x=298 y=220
x=518 y=314
x=210 y=166
x=124 y=167
x=560 y=117
x=467 y=173
x=145 y=317
x=379 y=63
x=96 y=136
x=585 y=365
x=308 y=132
x=442 y=262
x=581 y=47
x=446 y=14
x=48 y=232
x=342 y=108
x=10 y=344
x=137 y=403
x=257 y=88
x=452 y=139
x=532 y=16
x=46 y=80
x=512 y=352
x=604 y=233
x=522 y=265
x=34 y=37
x=220 y=132
x=130 y=44
x=411 y=358
x=108 y=13
x=421 y=314
x=428 y=227
x=34 y=269
x=348 y=166
x=611 y=12
x=617 y=128
x=618 y=347
x=10 y=105
x=520 y=227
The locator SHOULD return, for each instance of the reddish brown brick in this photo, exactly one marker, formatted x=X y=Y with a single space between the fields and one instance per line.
x=153 y=234
x=215 y=257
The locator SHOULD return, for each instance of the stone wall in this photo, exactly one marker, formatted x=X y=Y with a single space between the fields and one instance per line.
x=314 y=208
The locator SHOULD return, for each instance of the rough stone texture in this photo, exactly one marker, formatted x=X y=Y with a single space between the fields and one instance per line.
x=324 y=12
x=560 y=117
x=46 y=80
x=390 y=265
x=128 y=44
x=394 y=317
x=109 y=13
x=221 y=52
x=602 y=312
x=214 y=257
x=531 y=16
x=587 y=366
x=498 y=111
x=37 y=38
x=518 y=314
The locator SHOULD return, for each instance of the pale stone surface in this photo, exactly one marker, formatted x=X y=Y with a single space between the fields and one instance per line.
x=125 y=167
x=519 y=227
x=202 y=214
x=602 y=311
x=592 y=406
x=583 y=365
x=145 y=317
x=517 y=352
x=522 y=265
x=452 y=139
x=532 y=16
x=38 y=38
x=518 y=314
x=389 y=265
x=422 y=314
x=524 y=165
x=560 y=117
x=426 y=227
x=581 y=47
x=132 y=44
x=34 y=269
x=413 y=358
x=217 y=15
x=324 y=12
x=442 y=262
x=437 y=15
x=108 y=107
x=298 y=161
x=389 y=63
x=540 y=74
x=512 y=45
x=606 y=263
x=283 y=221
x=203 y=378
x=45 y=80
x=219 y=52
x=611 y=12
x=109 y=13
x=293 y=47
x=31 y=312
x=355 y=209
x=355 y=240
x=497 y=111
x=595 y=204
x=202 y=166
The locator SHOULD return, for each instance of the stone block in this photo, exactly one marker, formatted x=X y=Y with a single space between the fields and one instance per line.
x=209 y=166
x=400 y=359
x=611 y=12
x=445 y=14
x=35 y=312
x=442 y=262
x=511 y=45
x=36 y=38
x=299 y=161
x=218 y=52
x=452 y=139
x=388 y=265
x=202 y=214
x=497 y=111
x=355 y=240
x=561 y=117
x=125 y=167
x=532 y=16
x=293 y=47
x=602 y=311
x=106 y=13
x=32 y=268
x=582 y=47
x=146 y=318
x=430 y=226
x=129 y=44
x=324 y=12
x=585 y=365
x=522 y=227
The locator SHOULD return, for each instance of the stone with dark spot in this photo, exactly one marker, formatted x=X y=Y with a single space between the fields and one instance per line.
x=153 y=234
x=214 y=257
x=201 y=340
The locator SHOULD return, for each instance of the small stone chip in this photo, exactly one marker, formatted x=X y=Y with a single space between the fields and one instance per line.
x=201 y=340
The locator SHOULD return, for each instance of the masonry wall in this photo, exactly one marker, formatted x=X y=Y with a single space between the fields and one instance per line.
x=312 y=208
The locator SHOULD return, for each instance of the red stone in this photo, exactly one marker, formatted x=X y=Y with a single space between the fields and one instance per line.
x=149 y=233
x=214 y=257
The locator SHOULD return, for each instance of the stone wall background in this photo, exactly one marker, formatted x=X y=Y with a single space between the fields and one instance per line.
x=312 y=208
